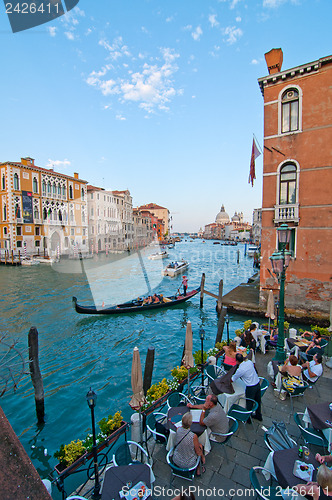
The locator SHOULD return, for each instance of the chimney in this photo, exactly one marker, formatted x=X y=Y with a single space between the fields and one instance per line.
x=75 y=175
x=274 y=60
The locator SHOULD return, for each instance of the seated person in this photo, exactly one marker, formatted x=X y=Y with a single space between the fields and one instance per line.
x=230 y=353
x=247 y=339
x=311 y=335
x=156 y=299
x=320 y=489
x=312 y=370
x=313 y=348
x=272 y=340
x=187 y=448
x=290 y=368
x=259 y=335
x=213 y=417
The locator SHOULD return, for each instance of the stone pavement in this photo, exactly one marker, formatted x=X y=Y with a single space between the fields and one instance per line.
x=245 y=449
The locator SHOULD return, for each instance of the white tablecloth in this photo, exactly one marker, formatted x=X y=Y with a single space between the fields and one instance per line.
x=259 y=336
x=327 y=432
x=203 y=438
x=227 y=400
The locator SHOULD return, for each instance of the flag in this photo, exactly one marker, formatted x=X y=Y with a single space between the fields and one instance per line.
x=255 y=153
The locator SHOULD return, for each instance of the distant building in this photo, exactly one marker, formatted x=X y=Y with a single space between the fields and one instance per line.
x=225 y=228
x=161 y=213
x=222 y=217
x=213 y=231
x=42 y=210
x=297 y=180
x=256 y=225
x=143 y=227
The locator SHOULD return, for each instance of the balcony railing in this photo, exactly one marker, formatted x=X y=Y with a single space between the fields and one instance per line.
x=286 y=213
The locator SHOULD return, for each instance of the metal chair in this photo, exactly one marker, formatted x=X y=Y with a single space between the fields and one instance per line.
x=263 y=491
x=233 y=427
x=176 y=398
x=188 y=474
x=123 y=454
x=241 y=413
x=151 y=422
x=212 y=372
x=309 y=434
x=76 y=497
x=270 y=446
x=297 y=391
x=264 y=385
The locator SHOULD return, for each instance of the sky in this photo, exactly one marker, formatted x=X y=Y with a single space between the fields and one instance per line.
x=156 y=96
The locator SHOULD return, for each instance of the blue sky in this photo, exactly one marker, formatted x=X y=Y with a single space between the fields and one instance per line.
x=157 y=96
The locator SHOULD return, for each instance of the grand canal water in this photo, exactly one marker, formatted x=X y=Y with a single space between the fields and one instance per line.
x=78 y=351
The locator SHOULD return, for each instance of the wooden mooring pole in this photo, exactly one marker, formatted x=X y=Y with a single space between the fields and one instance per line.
x=36 y=377
x=148 y=370
x=221 y=324
x=219 y=301
x=202 y=290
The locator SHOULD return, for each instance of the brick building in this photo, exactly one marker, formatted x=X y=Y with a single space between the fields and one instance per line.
x=297 y=181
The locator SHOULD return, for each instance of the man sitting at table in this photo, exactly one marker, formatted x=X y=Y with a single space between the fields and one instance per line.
x=320 y=490
x=313 y=348
x=312 y=370
x=247 y=372
x=323 y=458
x=213 y=417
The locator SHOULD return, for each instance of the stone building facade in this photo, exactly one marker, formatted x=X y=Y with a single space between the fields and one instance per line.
x=42 y=211
x=297 y=180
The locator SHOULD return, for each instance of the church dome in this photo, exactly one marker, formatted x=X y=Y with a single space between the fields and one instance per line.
x=236 y=218
x=222 y=216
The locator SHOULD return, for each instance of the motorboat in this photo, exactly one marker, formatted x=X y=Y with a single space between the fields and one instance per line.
x=27 y=261
x=252 y=249
x=175 y=268
x=158 y=255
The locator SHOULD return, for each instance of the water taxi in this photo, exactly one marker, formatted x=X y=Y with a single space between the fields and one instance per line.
x=175 y=268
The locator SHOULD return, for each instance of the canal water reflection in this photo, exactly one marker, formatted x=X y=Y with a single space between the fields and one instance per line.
x=78 y=351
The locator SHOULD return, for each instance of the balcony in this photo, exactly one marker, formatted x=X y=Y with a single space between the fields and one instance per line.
x=286 y=213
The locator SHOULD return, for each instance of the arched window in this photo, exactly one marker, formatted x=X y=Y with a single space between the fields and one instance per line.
x=17 y=211
x=44 y=188
x=44 y=214
x=287 y=192
x=60 y=216
x=54 y=190
x=16 y=182
x=36 y=213
x=63 y=191
x=82 y=194
x=49 y=188
x=71 y=192
x=5 y=212
x=35 y=185
x=59 y=190
x=3 y=181
x=290 y=111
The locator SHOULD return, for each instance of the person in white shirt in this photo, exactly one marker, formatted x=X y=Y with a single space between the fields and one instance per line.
x=247 y=372
x=313 y=369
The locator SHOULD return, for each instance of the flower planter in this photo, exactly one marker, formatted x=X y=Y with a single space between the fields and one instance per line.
x=64 y=470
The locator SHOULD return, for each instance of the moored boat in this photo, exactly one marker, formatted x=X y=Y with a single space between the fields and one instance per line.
x=252 y=249
x=27 y=261
x=134 y=306
x=175 y=268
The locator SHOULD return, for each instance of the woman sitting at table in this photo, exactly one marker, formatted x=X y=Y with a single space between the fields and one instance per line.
x=230 y=353
x=290 y=368
x=187 y=448
x=272 y=340
x=320 y=490
x=247 y=339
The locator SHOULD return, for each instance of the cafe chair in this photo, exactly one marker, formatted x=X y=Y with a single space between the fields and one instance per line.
x=152 y=421
x=76 y=497
x=177 y=399
x=272 y=447
x=295 y=392
x=309 y=434
x=261 y=486
x=264 y=385
x=212 y=372
x=241 y=413
x=124 y=456
x=188 y=474
x=233 y=427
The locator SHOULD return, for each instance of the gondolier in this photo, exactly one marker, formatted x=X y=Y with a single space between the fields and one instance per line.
x=185 y=285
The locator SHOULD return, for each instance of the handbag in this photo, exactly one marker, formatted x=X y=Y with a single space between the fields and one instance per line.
x=278 y=437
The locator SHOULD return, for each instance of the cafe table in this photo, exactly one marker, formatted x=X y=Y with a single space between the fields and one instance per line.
x=318 y=415
x=174 y=417
x=227 y=400
x=135 y=477
x=281 y=464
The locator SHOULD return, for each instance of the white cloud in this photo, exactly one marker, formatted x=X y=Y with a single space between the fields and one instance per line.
x=169 y=19
x=151 y=87
x=254 y=61
x=70 y=35
x=58 y=163
x=214 y=52
x=188 y=27
x=52 y=30
x=197 y=33
x=120 y=117
x=213 y=20
x=117 y=49
x=238 y=19
x=272 y=3
x=232 y=33
x=88 y=32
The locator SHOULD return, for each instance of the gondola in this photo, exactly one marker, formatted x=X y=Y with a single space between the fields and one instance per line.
x=134 y=305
